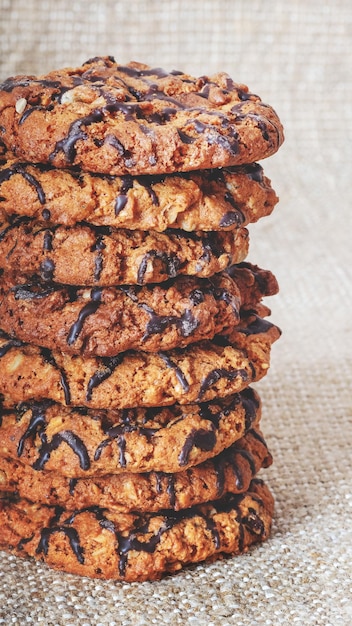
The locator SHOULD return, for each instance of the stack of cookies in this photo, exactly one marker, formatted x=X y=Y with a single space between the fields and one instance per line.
x=131 y=325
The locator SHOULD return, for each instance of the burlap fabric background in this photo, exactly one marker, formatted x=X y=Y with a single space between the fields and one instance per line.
x=297 y=56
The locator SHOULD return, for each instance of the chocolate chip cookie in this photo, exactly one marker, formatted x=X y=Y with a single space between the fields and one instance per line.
x=102 y=543
x=80 y=442
x=134 y=119
x=221 y=199
x=230 y=471
x=107 y=321
x=102 y=256
x=200 y=372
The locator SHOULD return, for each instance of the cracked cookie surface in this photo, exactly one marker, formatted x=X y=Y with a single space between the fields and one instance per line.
x=102 y=256
x=107 y=321
x=199 y=372
x=77 y=443
x=230 y=471
x=102 y=543
x=134 y=119
x=208 y=200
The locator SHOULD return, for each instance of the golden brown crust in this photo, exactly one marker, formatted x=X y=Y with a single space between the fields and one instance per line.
x=197 y=373
x=84 y=254
x=209 y=200
x=134 y=119
x=79 y=443
x=230 y=471
x=101 y=543
x=107 y=321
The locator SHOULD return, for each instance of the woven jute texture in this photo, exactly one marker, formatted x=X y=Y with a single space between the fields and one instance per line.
x=297 y=55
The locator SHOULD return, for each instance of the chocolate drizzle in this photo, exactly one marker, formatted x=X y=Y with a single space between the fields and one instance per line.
x=68 y=437
x=258 y=326
x=179 y=373
x=186 y=324
x=72 y=485
x=89 y=309
x=48 y=358
x=17 y=221
x=201 y=438
x=48 y=241
x=37 y=427
x=117 y=433
x=37 y=422
x=145 y=535
x=98 y=247
x=20 y=168
x=122 y=198
x=47 y=269
x=216 y=374
x=67 y=145
x=108 y=365
x=11 y=343
x=170 y=262
x=71 y=534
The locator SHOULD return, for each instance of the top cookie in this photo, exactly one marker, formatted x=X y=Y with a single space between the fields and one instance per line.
x=134 y=119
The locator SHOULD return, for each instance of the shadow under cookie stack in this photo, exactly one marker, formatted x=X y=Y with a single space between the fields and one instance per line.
x=132 y=327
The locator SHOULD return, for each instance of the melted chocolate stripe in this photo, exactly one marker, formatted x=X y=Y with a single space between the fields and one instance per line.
x=72 y=440
x=31 y=110
x=216 y=374
x=250 y=405
x=249 y=458
x=89 y=309
x=98 y=247
x=16 y=222
x=227 y=460
x=171 y=263
x=117 y=433
x=179 y=373
x=122 y=198
x=259 y=325
x=185 y=324
x=202 y=439
x=19 y=168
x=257 y=436
x=48 y=241
x=72 y=485
x=12 y=343
x=48 y=358
x=73 y=537
x=144 y=181
x=67 y=145
x=36 y=426
x=107 y=368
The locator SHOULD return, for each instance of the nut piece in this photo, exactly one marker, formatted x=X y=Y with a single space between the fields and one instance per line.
x=21 y=105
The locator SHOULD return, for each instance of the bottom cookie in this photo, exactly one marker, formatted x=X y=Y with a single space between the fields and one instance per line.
x=99 y=543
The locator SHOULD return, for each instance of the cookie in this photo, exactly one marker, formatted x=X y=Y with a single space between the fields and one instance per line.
x=134 y=119
x=107 y=321
x=230 y=471
x=102 y=256
x=210 y=200
x=197 y=373
x=102 y=543
x=79 y=443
